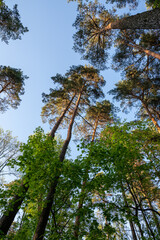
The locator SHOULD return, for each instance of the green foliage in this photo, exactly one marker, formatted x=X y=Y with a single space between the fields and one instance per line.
x=113 y=183
x=134 y=3
x=130 y=46
x=123 y=3
x=153 y=3
x=42 y=151
x=10 y=24
x=123 y=162
x=139 y=91
x=9 y=148
x=102 y=109
x=126 y=162
x=11 y=87
x=78 y=78
x=96 y=118
x=94 y=36
x=38 y=165
x=90 y=39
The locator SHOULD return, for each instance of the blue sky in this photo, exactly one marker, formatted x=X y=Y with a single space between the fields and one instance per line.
x=44 y=51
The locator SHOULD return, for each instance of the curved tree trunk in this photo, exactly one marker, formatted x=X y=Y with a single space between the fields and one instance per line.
x=54 y=129
x=146 y=51
x=13 y=208
x=95 y=128
x=151 y=117
x=40 y=230
x=145 y=20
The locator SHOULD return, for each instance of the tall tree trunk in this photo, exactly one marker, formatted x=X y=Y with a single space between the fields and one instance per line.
x=132 y=44
x=137 y=203
x=128 y=211
x=95 y=128
x=54 y=129
x=145 y=20
x=156 y=220
x=13 y=208
x=149 y=229
x=39 y=233
x=69 y=134
x=146 y=51
x=82 y=197
x=80 y=206
x=144 y=192
x=151 y=117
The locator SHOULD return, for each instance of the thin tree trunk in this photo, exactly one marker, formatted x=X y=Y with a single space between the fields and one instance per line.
x=149 y=230
x=13 y=208
x=135 y=198
x=136 y=202
x=156 y=220
x=129 y=42
x=54 y=129
x=146 y=51
x=140 y=229
x=69 y=134
x=95 y=128
x=128 y=211
x=5 y=86
x=151 y=117
x=145 y=20
x=81 y=201
x=40 y=230
x=80 y=205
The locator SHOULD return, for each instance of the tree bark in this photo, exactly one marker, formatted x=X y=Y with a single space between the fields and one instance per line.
x=40 y=230
x=146 y=51
x=54 y=129
x=46 y=211
x=69 y=134
x=145 y=20
x=137 y=203
x=5 y=86
x=128 y=211
x=81 y=201
x=151 y=117
x=80 y=205
x=95 y=128
x=156 y=220
x=144 y=192
x=13 y=208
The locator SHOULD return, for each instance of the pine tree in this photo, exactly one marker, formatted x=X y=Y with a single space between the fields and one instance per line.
x=95 y=36
x=11 y=87
x=141 y=91
x=86 y=82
